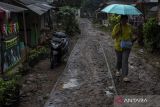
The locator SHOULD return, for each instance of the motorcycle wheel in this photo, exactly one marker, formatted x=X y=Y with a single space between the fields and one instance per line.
x=52 y=61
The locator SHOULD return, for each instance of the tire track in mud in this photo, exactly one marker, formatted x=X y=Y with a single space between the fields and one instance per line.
x=99 y=50
x=109 y=69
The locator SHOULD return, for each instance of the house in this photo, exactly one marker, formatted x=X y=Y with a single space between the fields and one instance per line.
x=101 y=17
x=120 y=2
x=148 y=7
x=10 y=48
x=37 y=20
x=48 y=1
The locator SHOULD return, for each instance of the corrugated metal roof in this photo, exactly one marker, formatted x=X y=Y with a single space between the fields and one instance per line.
x=39 y=8
x=119 y=2
x=154 y=1
x=44 y=6
x=1 y=11
x=36 y=9
x=29 y=2
x=154 y=9
x=42 y=0
x=10 y=8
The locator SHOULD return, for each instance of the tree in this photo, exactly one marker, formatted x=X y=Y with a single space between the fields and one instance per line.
x=71 y=3
x=91 y=5
x=66 y=16
x=152 y=34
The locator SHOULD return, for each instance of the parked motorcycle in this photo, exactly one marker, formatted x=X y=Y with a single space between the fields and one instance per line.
x=59 y=48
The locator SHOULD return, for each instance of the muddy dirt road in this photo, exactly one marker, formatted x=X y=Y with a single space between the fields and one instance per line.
x=89 y=81
x=84 y=81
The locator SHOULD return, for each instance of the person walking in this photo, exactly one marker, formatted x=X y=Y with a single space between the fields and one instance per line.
x=123 y=40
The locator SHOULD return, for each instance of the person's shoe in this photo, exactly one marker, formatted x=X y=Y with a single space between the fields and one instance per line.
x=126 y=79
x=117 y=73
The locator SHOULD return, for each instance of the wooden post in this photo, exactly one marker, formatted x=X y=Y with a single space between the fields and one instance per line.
x=2 y=53
x=144 y=9
x=25 y=35
x=25 y=30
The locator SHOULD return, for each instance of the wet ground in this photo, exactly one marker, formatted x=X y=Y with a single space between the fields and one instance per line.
x=84 y=81
x=39 y=81
x=88 y=79
x=38 y=84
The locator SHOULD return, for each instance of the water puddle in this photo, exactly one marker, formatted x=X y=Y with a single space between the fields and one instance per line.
x=109 y=94
x=71 y=84
x=73 y=73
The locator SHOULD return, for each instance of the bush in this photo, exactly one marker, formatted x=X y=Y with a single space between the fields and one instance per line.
x=24 y=69
x=37 y=54
x=9 y=92
x=66 y=16
x=151 y=34
x=113 y=20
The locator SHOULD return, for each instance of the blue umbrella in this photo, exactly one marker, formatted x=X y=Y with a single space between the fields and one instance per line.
x=121 y=9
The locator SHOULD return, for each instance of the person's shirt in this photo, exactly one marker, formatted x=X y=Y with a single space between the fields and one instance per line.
x=125 y=32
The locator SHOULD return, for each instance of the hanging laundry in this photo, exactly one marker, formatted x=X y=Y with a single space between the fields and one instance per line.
x=4 y=29
x=11 y=28
x=15 y=28
x=8 y=29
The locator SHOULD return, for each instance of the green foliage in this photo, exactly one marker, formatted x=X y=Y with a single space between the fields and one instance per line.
x=37 y=54
x=72 y=3
x=113 y=20
x=104 y=28
x=24 y=69
x=151 y=34
x=95 y=21
x=66 y=16
x=9 y=92
x=91 y=5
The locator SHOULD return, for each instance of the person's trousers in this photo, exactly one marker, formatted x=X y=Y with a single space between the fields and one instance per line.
x=122 y=61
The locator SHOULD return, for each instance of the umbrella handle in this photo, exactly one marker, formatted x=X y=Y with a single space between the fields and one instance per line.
x=120 y=28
